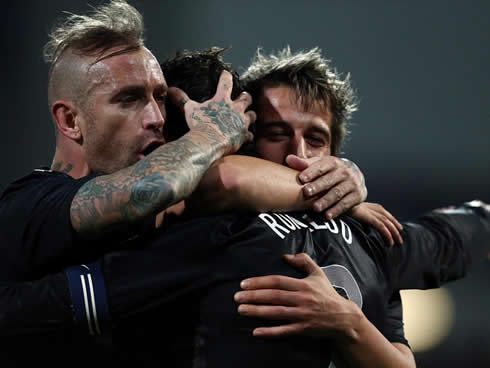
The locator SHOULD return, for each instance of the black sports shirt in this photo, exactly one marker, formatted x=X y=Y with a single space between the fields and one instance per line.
x=36 y=235
x=173 y=301
x=186 y=281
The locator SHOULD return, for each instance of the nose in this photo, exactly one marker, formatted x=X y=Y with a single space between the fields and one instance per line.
x=154 y=116
x=298 y=147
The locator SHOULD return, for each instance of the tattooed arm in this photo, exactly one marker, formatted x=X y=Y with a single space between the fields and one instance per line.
x=110 y=203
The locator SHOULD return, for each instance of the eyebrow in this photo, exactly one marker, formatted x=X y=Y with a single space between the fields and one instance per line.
x=273 y=124
x=137 y=90
x=128 y=90
x=321 y=130
x=263 y=126
x=283 y=124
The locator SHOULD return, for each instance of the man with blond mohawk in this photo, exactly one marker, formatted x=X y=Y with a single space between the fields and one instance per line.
x=112 y=170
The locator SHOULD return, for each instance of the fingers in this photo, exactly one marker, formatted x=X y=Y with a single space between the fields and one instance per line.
x=341 y=186
x=274 y=312
x=342 y=183
x=388 y=223
x=268 y=296
x=394 y=232
x=251 y=116
x=319 y=168
x=279 y=331
x=271 y=282
x=327 y=177
x=342 y=206
x=225 y=85
x=385 y=232
x=377 y=216
x=335 y=195
x=303 y=262
x=240 y=105
x=250 y=137
x=388 y=230
x=297 y=163
x=178 y=97
x=244 y=100
x=392 y=218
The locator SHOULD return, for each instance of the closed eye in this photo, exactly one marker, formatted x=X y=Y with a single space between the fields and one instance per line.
x=276 y=135
x=128 y=99
x=161 y=98
x=129 y=95
x=316 y=141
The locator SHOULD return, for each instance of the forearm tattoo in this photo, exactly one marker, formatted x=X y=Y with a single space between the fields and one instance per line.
x=164 y=177
x=229 y=123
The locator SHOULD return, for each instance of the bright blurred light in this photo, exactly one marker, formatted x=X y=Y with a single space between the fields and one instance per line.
x=428 y=316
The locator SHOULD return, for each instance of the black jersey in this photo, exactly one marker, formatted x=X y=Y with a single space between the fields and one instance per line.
x=187 y=278
x=37 y=239
x=172 y=302
x=36 y=235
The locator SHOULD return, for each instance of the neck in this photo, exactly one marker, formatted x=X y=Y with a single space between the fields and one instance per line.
x=70 y=162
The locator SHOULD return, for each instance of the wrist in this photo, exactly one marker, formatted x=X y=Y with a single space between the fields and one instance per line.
x=352 y=324
x=209 y=141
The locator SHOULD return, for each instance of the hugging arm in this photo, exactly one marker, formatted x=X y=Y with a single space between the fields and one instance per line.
x=111 y=203
x=441 y=246
x=243 y=183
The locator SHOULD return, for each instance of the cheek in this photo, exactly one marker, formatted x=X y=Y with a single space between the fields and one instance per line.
x=271 y=151
x=320 y=151
x=116 y=127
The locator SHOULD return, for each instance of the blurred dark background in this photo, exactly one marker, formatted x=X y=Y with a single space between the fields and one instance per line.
x=421 y=68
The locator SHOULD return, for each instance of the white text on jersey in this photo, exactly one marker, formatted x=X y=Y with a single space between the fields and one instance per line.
x=289 y=223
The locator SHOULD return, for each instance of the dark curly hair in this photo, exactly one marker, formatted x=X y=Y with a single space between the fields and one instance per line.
x=197 y=73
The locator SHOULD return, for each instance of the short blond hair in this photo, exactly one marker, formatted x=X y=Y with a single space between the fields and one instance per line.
x=107 y=26
x=114 y=24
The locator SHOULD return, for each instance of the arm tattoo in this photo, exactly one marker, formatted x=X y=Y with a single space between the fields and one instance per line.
x=146 y=191
x=164 y=177
x=229 y=123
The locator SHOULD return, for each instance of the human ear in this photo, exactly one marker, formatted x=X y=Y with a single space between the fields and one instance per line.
x=65 y=116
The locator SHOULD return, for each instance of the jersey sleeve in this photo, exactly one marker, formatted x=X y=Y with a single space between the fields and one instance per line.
x=37 y=237
x=174 y=262
x=440 y=246
x=393 y=329
x=35 y=307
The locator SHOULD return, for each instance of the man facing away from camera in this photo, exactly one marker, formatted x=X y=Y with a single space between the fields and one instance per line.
x=160 y=277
